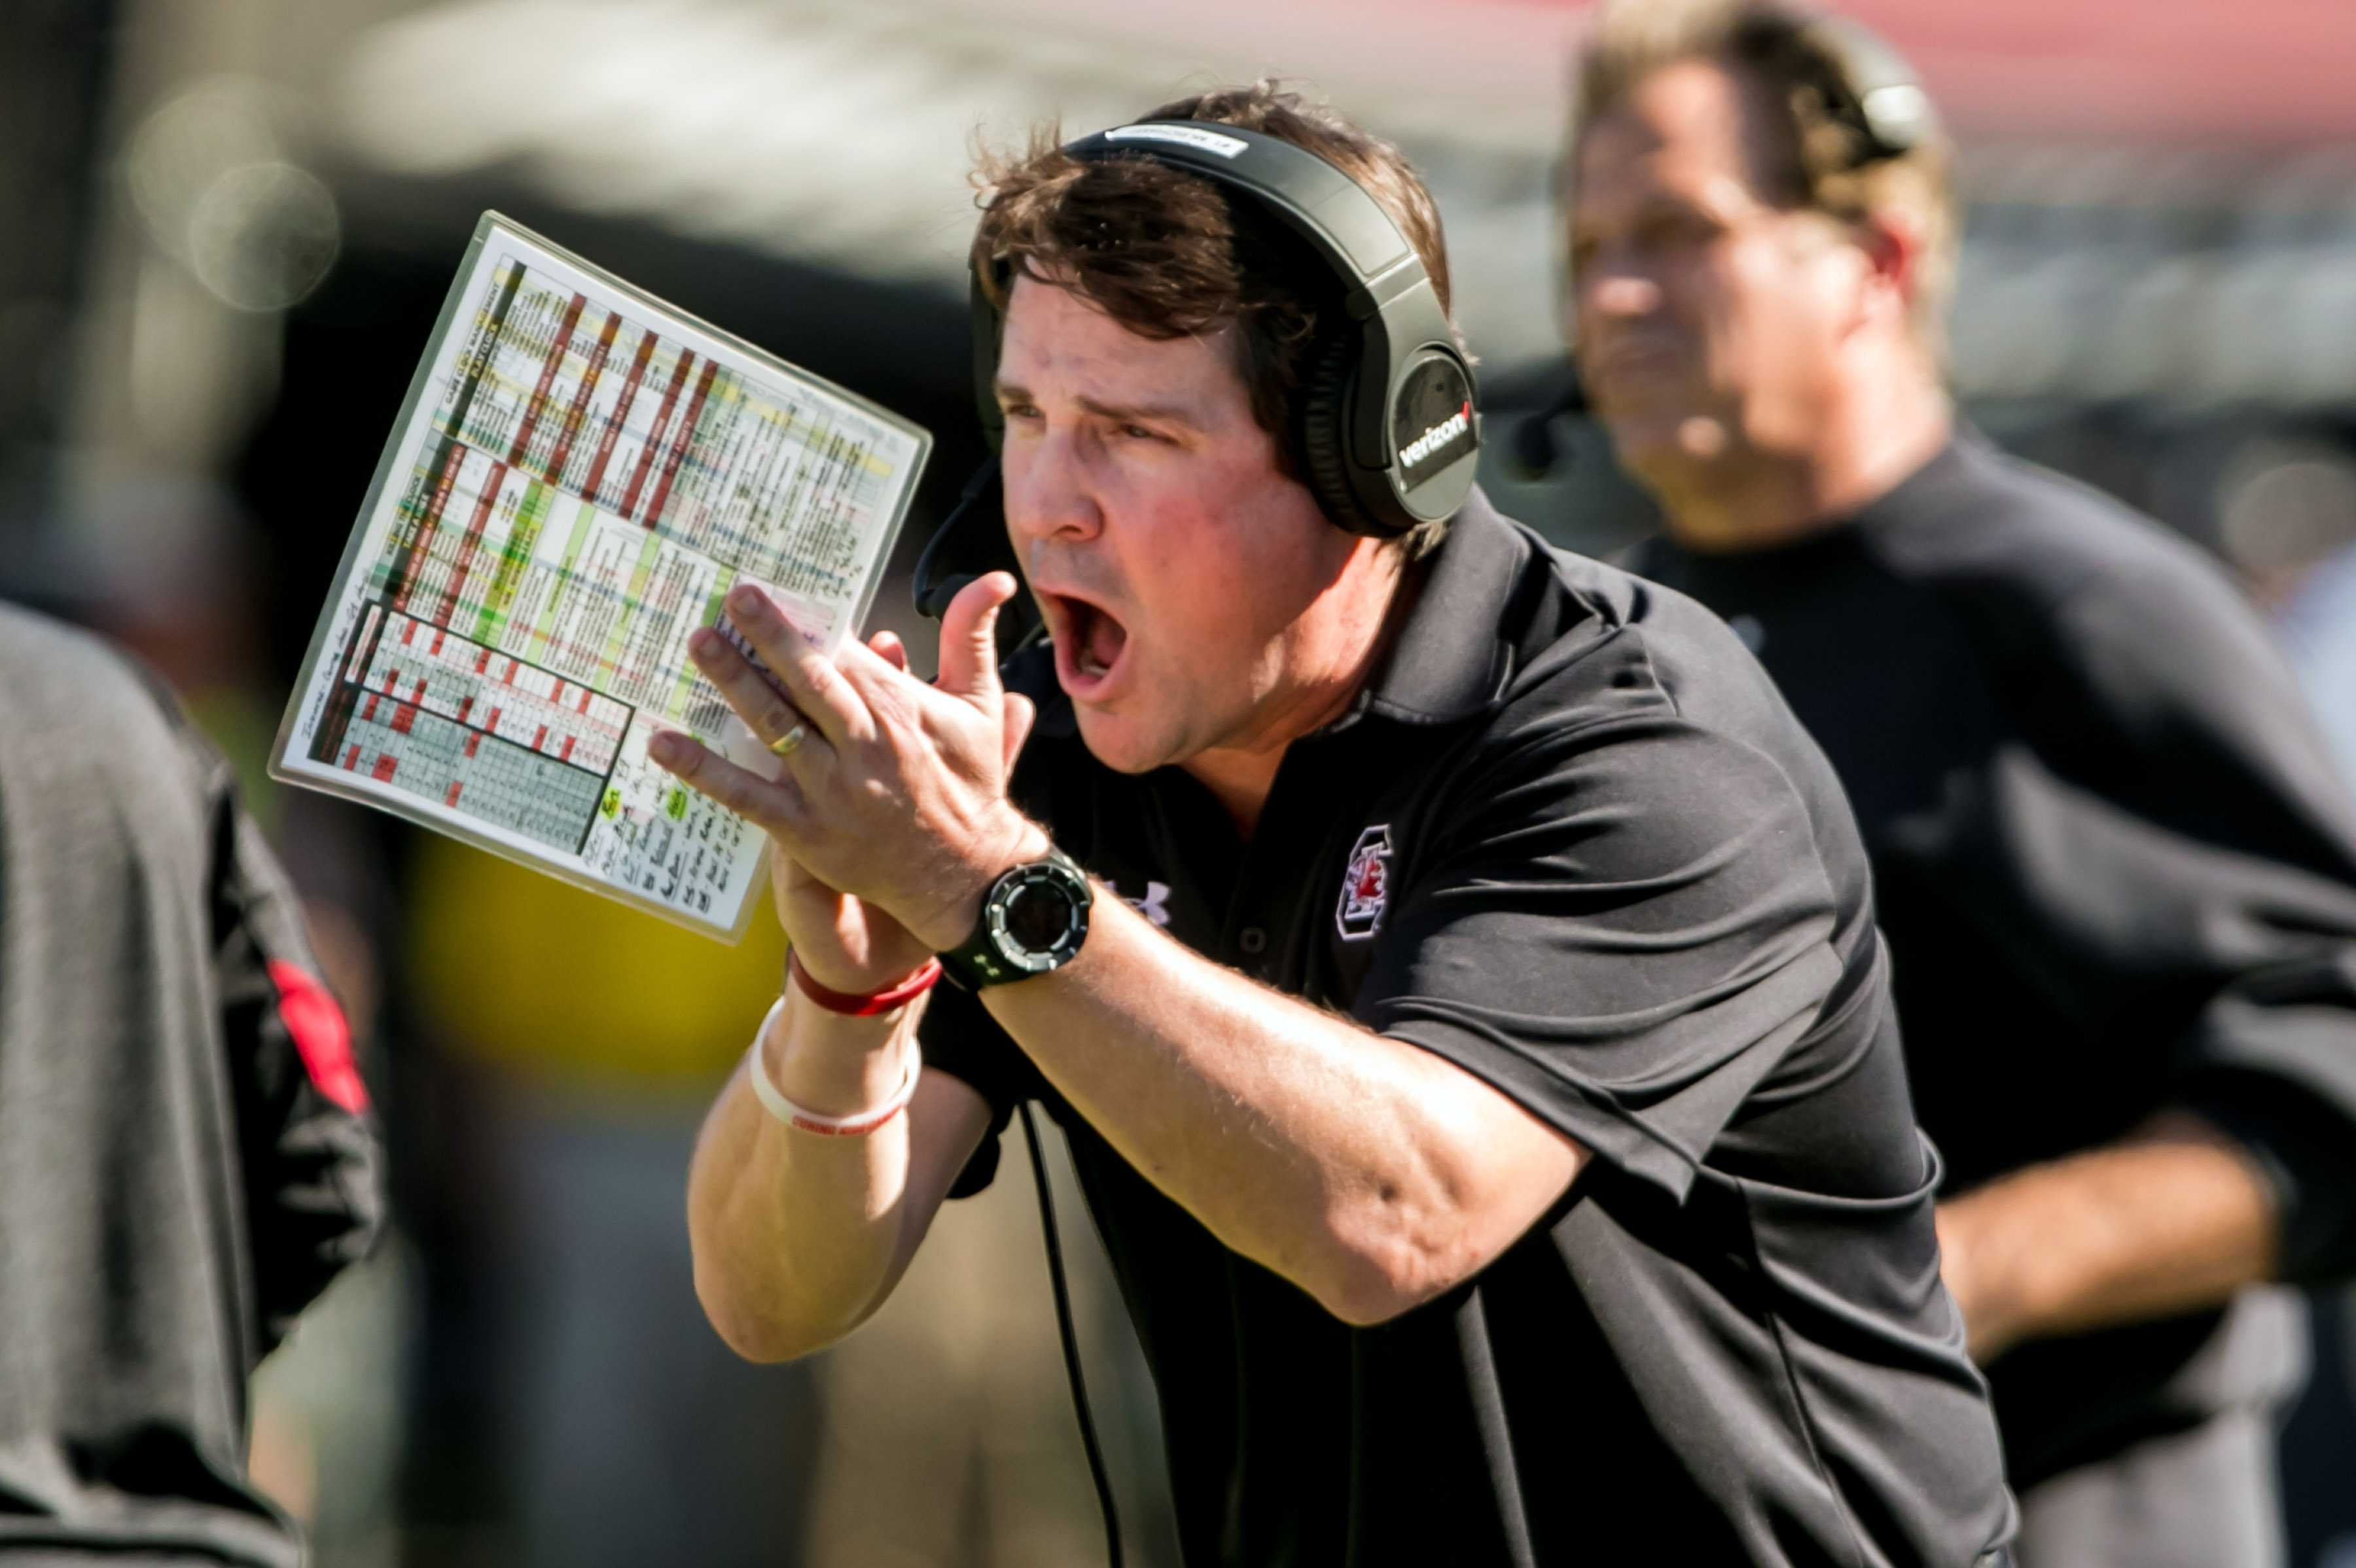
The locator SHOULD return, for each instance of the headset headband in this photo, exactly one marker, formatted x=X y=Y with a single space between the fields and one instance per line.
x=1887 y=106
x=1334 y=213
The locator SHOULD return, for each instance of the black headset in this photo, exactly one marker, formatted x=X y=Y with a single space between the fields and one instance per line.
x=1875 y=92
x=1390 y=427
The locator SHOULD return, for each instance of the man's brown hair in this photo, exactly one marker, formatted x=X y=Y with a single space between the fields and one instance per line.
x=1166 y=255
x=1817 y=157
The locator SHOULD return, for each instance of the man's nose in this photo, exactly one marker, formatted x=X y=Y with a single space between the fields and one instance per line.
x=1047 y=493
x=1620 y=294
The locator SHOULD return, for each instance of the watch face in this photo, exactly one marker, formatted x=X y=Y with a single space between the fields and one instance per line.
x=1039 y=916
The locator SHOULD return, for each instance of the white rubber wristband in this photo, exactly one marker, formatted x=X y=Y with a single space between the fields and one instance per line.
x=802 y=1120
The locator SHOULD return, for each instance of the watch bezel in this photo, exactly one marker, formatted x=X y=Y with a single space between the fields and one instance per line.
x=998 y=909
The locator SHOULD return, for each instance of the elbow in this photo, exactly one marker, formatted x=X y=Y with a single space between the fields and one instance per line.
x=756 y=1324
x=744 y=1328
x=1369 y=1279
x=760 y=1319
x=1370 y=1304
x=756 y=1341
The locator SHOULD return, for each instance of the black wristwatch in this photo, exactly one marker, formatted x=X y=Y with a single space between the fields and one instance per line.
x=1033 y=920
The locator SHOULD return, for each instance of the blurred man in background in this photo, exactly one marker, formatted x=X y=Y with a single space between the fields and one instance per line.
x=2115 y=866
x=186 y=1152
x=2289 y=522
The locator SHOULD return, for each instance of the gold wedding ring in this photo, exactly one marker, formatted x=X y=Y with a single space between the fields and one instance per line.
x=786 y=743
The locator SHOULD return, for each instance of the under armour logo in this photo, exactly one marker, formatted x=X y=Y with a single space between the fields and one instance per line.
x=1154 y=906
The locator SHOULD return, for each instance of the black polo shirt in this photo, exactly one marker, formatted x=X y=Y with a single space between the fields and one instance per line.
x=2115 y=864
x=1570 y=839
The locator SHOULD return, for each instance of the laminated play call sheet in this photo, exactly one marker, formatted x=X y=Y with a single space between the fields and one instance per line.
x=579 y=473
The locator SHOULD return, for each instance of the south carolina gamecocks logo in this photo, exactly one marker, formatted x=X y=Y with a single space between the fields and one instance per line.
x=1365 y=886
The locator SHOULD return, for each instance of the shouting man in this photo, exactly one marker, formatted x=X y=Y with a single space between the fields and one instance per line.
x=1492 y=1106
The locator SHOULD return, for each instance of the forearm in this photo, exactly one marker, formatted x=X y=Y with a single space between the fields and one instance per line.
x=1368 y=1172
x=798 y=1237
x=2169 y=1221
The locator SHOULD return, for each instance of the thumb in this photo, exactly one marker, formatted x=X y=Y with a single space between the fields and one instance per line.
x=970 y=637
x=1016 y=725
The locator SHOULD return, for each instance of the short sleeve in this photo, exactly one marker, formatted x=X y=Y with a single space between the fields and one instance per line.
x=1625 y=926
x=2301 y=1144
x=314 y=1165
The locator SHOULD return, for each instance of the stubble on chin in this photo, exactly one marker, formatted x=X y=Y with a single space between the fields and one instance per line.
x=1114 y=742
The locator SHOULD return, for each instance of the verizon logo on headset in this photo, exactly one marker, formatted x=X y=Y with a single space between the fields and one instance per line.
x=1439 y=436
x=1432 y=422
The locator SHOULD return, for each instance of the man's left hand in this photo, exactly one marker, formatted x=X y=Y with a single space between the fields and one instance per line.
x=897 y=793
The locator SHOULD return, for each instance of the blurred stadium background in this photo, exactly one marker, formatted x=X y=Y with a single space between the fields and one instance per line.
x=226 y=227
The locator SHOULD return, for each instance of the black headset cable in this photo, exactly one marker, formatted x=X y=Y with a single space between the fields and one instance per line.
x=1071 y=1339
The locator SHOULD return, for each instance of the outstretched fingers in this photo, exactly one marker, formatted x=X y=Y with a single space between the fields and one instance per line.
x=812 y=683
x=774 y=805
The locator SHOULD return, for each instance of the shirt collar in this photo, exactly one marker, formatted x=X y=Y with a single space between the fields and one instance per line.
x=1452 y=657
x=1726 y=580
x=1965 y=447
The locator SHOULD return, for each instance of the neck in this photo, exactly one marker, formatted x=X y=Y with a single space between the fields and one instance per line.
x=1331 y=651
x=1757 y=496
x=1240 y=780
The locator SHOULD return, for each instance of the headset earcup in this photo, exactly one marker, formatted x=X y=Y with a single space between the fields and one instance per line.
x=1324 y=453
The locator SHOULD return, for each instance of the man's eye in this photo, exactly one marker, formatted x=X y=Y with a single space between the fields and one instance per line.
x=1675 y=230
x=1138 y=432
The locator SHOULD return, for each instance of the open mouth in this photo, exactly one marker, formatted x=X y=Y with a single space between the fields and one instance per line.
x=1090 y=641
x=1636 y=359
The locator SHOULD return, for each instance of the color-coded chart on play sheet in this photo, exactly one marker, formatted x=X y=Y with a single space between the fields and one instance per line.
x=580 y=474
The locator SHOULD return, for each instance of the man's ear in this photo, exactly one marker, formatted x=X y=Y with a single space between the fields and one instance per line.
x=1894 y=245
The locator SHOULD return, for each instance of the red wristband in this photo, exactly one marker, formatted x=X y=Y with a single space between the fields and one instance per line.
x=852 y=1005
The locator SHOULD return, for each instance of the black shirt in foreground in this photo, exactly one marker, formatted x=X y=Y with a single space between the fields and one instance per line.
x=2114 y=861
x=1572 y=841
x=185 y=1156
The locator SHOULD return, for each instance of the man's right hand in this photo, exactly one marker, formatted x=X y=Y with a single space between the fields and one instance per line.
x=846 y=943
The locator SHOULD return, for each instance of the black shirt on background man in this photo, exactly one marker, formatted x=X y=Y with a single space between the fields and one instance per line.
x=2116 y=866
x=1569 y=839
